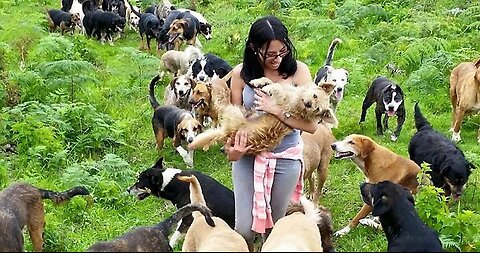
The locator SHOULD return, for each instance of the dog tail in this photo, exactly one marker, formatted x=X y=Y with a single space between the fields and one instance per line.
x=60 y=197
x=151 y=93
x=420 y=121
x=167 y=225
x=331 y=51
x=133 y=10
x=196 y=194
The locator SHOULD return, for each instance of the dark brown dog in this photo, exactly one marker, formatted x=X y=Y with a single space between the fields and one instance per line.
x=21 y=205
x=66 y=21
x=464 y=94
x=154 y=238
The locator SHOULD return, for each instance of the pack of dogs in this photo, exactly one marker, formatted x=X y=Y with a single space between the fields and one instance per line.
x=198 y=92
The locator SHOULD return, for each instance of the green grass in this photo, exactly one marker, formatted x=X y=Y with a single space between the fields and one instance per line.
x=415 y=35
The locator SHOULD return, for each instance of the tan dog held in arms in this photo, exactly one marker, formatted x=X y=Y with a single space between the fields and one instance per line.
x=209 y=99
x=317 y=154
x=202 y=237
x=296 y=231
x=464 y=94
x=378 y=164
x=265 y=131
x=21 y=205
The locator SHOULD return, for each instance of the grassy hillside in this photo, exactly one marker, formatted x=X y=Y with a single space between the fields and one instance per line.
x=78 y=111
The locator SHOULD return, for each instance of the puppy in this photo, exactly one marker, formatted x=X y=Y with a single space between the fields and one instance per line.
x=378 y=164
x=209 y=99
x=21 y=205
x=265 y=131
x=149 y=26
x=184 y=28
x=449 y=168
x=209 y=66
x=338 y=76
x=297 y=231
x=179 y=91
x=464 y=94
x=66 y=21
x=404 y=229
x=171 y=121
x=388 y=97
x=162 y=183
x=316 y=158
x=178 y=62
x=203 y=237
x=152 y=238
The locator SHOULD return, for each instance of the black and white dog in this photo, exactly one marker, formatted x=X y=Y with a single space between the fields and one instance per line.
x=389 y=99
x=163 y=183
x=210 y=65
x=103 y=25
x=449 y=168
x=331 y=74
x=149 y=26
x=404 y=229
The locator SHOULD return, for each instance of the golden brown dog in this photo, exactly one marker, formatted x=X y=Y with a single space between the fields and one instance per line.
x=21 y=205
x=183 y=30
x=464 y=94
x=297 y=231
x=210 y=98
x=317 y=154
x=202 y=237
x=378 y=164
x=265 y=131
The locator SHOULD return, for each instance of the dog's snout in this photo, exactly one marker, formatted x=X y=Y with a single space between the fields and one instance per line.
x=202 y=78
x=190 y=139
x=308 y=104
x=339 y=89
x=333 y=146
x=390 y=108
x=181 y=92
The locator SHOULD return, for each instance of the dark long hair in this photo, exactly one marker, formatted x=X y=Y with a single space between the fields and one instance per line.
x=262 y=32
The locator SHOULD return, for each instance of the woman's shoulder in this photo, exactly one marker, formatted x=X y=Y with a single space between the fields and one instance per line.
x=302 y=75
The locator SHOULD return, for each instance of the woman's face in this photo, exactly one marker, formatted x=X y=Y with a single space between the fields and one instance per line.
x=273 y=57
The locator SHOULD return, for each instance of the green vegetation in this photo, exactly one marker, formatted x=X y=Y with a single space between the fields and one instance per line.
x=79 y=114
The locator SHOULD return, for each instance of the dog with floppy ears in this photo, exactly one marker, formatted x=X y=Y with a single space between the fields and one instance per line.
x=404 y=229
x=449 y=167
x=171 y=121
x=179 y=91
x=464 y=94
x=163 y=183
x=151 y=238
x=378 y=164
x=388 y=97
x=21 y=205
x=265 y=131
x=203 y=237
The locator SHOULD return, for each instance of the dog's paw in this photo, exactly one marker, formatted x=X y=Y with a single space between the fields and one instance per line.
x=393 y=137
x=371 y=223
x=342 y=231
x=188 y=161
x=456 y=137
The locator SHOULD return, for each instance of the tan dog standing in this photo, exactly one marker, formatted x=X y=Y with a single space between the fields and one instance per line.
x=202 y=237
x=378 y=164
x=464 y=94
x=317 y=154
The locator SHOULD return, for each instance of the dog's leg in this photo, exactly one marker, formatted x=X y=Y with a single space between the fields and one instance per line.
x=400 y=121
x=322 y=172
x=366 y=209
x=366 y=104
x=177 y=235
x=459 y=114
x=378 y=115
x=185 y=155
x=385 y=122
x=374 y=222
x=36 y=225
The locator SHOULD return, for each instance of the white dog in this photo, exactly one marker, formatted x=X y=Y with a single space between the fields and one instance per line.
x=179 y=91
x=178 y=62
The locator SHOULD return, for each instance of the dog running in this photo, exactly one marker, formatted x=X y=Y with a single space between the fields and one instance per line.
x=449 y=167
x=21 y=205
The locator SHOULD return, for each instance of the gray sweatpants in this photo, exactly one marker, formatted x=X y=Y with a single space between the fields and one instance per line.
x=285 y=180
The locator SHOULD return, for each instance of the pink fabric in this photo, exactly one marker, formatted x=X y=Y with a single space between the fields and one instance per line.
x=264 y=171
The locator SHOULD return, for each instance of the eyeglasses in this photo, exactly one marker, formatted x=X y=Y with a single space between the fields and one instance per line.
x=283 y=52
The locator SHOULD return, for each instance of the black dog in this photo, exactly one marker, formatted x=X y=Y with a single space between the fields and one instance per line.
x=115 y=6
x=152 y=238
x=449 y=168
x=404 y=229
x=389 y=99
x=209 y=65
x=149 y=26
x=163 y=183
x=66 y=21
x=103 y=25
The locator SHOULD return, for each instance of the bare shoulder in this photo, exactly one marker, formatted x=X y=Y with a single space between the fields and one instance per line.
x=236 y=70
x=302 y=76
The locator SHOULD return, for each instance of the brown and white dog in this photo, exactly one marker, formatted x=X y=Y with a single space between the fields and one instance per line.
x=317 y=154
x=184 y=28
x=179 y=91
x=296 y=232
x=203 y=237
x=176 y=123
x=464 y=94
x=378 y=164
x=21 y=205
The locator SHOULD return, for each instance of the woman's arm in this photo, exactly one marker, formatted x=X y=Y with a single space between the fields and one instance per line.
x=236 y=86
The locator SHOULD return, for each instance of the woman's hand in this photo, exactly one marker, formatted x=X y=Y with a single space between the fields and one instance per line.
x=238 y=147
x=263 y=102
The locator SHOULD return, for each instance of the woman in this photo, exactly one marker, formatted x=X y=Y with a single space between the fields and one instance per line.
x=268 y=53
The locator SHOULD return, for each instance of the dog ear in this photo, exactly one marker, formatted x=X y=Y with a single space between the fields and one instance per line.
x=162 y=22
x=366 y=191
x=327 y=87
x=328 y=116
x=172 y=83
x=367 y=147
x=477 y=63
x=159 y=163
x=192 y=82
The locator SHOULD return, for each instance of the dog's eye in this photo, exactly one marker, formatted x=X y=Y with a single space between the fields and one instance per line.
x=315 y=96
x=334 y=80
x=351 y=142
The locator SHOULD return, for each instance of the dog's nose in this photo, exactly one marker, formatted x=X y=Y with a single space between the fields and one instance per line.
x=333 y=146
x=180 y=92
x=339 y=89
x=202 y=78
x=308 y=104
x=190 y=140
x=390 y=108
